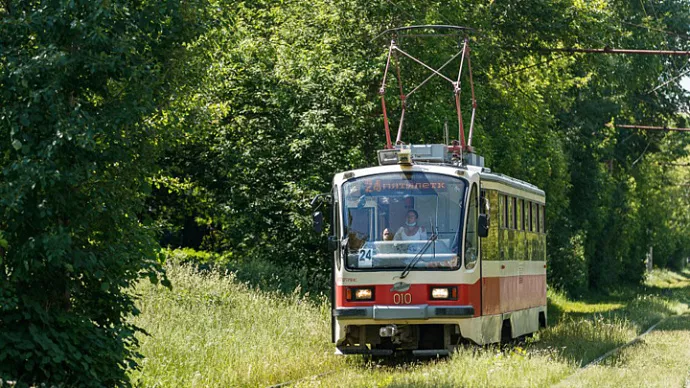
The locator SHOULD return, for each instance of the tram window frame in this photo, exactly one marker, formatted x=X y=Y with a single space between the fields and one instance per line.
x=471 y=228
x=543 y=218
x=531 y=216
x=335 y=227
x=515 y=214
x=504 y=200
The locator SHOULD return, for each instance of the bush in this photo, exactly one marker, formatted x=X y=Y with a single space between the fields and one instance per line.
x=80 y=80
x=258 y=272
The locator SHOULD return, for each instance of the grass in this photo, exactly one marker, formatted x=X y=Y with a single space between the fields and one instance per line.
x=214 y=330
x=659 y=360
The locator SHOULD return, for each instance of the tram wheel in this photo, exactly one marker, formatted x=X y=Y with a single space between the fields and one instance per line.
x=506 y=332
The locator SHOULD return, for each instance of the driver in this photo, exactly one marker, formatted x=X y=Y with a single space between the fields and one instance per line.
x=409 y=231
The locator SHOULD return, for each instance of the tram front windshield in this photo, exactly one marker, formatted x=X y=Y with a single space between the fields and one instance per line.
x=402 y=219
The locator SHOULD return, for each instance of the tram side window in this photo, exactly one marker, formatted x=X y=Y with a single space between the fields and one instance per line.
x=504 y=202
x=472 y=237
x=522 y=214
x=543 y=218
x=531 y=216
x=538 y=219
x=515 y=213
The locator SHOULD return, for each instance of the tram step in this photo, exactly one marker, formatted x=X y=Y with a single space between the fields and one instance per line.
x=366 y=351
x=430 y=352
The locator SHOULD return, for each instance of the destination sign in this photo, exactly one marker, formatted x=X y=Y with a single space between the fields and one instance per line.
x=372 y=186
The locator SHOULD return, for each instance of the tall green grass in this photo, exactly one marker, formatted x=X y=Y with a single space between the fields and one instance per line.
x=216 y=329
x=211 y=330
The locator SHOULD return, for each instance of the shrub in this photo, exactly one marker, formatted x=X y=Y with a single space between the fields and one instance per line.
x=79 y=82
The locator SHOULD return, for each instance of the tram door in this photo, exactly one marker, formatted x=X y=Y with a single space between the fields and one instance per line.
x=492 y=251
x=472 y=241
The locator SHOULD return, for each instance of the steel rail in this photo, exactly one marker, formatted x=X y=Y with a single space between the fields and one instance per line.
x=563 y=383
x=566 y=383
x=291 y=382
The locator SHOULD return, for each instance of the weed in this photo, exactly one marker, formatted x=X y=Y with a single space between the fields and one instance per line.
x=216 y=329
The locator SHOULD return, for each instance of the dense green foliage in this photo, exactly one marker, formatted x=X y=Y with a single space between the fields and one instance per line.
x=219 y=120
x=288 y=96
x=79 y=83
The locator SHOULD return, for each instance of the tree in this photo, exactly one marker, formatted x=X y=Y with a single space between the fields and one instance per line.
x=289 y=96
x=80 y=82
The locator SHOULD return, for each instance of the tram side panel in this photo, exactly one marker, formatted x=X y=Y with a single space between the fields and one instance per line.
x=513 y=272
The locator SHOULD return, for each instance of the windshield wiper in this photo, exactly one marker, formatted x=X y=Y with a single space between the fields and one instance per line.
x=418 y=257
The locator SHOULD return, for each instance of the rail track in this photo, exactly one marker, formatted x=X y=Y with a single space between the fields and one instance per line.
x=567 y=381
x=291 y=382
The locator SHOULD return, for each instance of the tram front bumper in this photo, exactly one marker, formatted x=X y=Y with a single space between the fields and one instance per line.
x=423 y=311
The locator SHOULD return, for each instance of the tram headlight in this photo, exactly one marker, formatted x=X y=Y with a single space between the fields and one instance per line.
x=444 y=293
x=359 y=294
x=387 y=157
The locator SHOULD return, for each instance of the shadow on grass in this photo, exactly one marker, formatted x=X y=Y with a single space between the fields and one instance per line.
x=555 y=313
x=580 y=337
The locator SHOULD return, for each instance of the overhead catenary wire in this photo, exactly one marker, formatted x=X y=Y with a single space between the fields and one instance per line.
x=682 y=36
x=503 y=75
x=605 y=50
x=563 y=52
x=676 y=34
x=615 y=51
x=651 y=128
x=671 y=80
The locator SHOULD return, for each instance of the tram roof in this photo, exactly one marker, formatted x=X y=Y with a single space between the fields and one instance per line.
x=484 y=174
x=510 y=181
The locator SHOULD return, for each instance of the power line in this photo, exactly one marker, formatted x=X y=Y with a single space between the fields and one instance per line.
x=502 y=76
x=669 y=81
x=683 y=36
x=676 y=34
x=651 y=128
x=400 y=10
x=607 y=50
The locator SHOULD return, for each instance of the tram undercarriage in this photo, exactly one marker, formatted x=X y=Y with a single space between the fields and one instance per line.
x=418 y=339
x=436 y=338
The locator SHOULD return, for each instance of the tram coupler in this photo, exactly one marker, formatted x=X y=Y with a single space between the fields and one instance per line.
x=388 y=331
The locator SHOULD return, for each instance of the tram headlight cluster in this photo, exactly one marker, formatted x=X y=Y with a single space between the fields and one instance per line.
x=444 y=293
x=359 y=294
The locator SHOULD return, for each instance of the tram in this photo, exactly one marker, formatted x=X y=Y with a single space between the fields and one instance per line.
x=431 y=249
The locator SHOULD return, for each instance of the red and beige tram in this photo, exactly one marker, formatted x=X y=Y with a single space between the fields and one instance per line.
x=431 y=248
x=429 y=253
